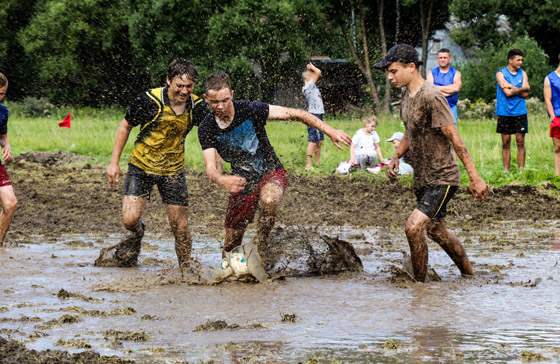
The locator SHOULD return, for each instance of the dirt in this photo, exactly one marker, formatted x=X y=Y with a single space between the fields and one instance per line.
x=59 y=198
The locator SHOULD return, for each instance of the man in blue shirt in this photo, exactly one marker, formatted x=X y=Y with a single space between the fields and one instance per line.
x=512 y=87
x=7 y=196
x=447 y=79
x=552 y=102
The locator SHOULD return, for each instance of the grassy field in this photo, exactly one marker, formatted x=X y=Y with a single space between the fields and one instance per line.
x=93 y=132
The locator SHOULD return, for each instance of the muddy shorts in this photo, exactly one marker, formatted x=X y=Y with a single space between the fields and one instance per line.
x=242 y=207
x=555 y=128
x=4 y=179
x=433 y=199
x=512 y=124
x=173 y=189
x=314 y=135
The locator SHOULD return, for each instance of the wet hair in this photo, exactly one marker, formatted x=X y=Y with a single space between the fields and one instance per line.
x=515 y=52
x=444 y=50
x=180 y=67
x=3 y=80
x=371 y=120
x=217 y=81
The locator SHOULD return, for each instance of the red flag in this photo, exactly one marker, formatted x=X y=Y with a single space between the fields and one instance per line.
x=66 y=122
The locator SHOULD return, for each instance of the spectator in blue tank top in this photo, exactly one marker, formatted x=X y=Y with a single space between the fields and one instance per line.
x=447 y=79
x=552 y=101
x=512 y=87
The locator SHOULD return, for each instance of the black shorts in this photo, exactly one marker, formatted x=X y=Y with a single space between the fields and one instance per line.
x=172 y=189
x=512 y=124
x=433 y=199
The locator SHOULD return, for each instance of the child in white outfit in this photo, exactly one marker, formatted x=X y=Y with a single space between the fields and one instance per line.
x=365 y=146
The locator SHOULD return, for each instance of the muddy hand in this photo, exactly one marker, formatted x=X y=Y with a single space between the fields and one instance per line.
x=339 y=136
x=113 y=174
x=479 y=189
x=234 y=184
x=7 y=153
x=393 y=168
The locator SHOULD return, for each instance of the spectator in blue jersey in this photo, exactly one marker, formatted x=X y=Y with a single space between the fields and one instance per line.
x=314 y=106
x=7 y=196
x=447 y=79
x=552 y=102
x=236 y=130
x=512 y=87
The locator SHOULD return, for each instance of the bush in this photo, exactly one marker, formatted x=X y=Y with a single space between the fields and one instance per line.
x=479 y=75
x=32 y=107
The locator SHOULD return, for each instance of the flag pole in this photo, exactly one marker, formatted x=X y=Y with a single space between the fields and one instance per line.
x=68 y=150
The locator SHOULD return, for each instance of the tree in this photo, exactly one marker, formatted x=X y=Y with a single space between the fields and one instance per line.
x=484 y=22
x=15 y=15
x=80 y=50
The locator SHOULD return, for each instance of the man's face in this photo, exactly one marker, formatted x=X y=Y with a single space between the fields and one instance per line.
x=220 y=102
x=516 y=62
x=443 y=59
x=180 y=89
x=3 y=91
x=400 y=74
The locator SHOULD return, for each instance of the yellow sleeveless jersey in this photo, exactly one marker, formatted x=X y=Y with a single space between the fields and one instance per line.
x=160 y=146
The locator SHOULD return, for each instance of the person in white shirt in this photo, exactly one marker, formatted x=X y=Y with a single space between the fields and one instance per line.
x=365 y=149
x=404 y=166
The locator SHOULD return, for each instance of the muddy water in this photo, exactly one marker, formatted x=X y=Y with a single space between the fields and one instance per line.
x=508 y=313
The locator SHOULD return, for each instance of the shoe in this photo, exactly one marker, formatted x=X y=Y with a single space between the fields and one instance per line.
x=374 y=170
x=123 y=254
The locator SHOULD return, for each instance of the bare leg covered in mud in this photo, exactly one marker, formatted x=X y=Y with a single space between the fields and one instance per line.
x=125 y=253
x=9 y=206
x=269 y=199
x=415 y=226
x=178 y=220
x=451 y=245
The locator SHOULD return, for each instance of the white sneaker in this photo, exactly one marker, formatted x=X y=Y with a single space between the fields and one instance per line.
x=374 y=170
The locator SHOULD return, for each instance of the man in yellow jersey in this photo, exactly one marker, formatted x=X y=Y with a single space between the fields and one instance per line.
x=165 y=116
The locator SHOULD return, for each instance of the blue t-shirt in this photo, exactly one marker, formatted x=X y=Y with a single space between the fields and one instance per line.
x=514 y=105
x=555 y=88
x=445 y=79
x=244 y=143
x=4 y=115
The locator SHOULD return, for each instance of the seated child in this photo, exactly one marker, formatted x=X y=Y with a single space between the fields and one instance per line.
x=365 y=149
x=404 y=167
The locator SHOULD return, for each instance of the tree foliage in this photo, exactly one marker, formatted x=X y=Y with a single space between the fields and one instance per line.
x=478 y=75
x=80 y=50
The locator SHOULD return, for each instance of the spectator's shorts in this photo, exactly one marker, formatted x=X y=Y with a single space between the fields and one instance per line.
x=242 y=207
x=555 y=128
x=314 y=135
x=172 y=189
x=4 y=179
x=432 y=200
x=512 y=124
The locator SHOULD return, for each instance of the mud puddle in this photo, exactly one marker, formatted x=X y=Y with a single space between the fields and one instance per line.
x=509 y=312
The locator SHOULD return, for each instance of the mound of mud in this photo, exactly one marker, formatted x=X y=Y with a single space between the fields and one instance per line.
x=13 y=352
x=299 y=251
x=50 y=159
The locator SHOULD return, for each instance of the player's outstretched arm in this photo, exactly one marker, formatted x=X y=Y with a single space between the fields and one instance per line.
x=285 y=113
x=478 y=187
x=233 y=184
x=114 y=171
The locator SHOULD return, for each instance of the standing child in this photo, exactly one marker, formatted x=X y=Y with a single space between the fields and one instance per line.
x=315 y=107
x=7 y=196
x=365 y=146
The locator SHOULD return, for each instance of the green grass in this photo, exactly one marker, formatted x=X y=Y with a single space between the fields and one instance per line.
x=93 y=132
